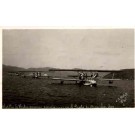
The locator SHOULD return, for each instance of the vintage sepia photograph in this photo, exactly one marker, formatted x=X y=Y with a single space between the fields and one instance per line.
x=67 y=68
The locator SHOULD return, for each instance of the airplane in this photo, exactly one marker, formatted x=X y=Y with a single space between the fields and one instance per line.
x=83 y=79
x=13 y=73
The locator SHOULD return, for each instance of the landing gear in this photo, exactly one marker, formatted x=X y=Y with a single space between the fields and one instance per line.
x=62 y=82
x=93 y=85
x=110 y=82
x=81 y=83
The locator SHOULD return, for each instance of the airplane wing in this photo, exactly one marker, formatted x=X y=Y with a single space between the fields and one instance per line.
x=108 y=85
x=78 y=70
x=65 y=79
x=77 y=76
x=110 y=79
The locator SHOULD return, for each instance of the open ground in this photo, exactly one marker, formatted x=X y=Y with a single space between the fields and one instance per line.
x=21 y=92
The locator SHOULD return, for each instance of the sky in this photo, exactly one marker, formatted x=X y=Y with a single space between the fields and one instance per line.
x=69 y=48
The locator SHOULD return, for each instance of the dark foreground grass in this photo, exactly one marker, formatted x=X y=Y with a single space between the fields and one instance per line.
x=41 y=93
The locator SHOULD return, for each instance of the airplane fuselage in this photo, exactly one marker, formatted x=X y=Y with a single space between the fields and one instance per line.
x=91 y=83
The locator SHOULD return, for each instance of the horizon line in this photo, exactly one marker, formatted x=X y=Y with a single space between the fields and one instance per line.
x=65 y=68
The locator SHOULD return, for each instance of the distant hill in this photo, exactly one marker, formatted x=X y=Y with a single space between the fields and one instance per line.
x=123 y=74
x=7 y=68
x=38 y=69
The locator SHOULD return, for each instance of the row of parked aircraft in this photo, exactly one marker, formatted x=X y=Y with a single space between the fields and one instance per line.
x=33 y=74
x=81 y=78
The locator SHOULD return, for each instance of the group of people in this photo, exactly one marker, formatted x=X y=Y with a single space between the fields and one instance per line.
x=82 y=76
x=36 y=74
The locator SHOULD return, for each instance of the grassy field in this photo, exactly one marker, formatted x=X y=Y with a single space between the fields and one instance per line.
x=41 y=93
